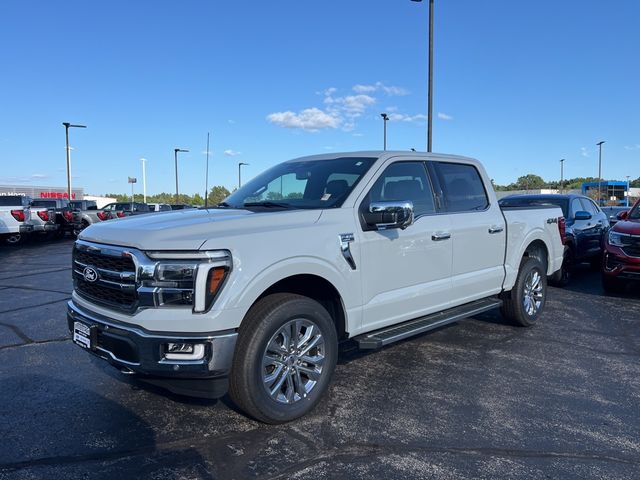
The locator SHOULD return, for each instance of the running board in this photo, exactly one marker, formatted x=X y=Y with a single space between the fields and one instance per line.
x=395 y=333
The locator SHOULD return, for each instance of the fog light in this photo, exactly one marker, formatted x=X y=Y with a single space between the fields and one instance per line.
x=184 y=351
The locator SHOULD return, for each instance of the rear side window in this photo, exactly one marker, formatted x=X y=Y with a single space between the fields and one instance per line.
x=589 y=206
x=462 y=187
x=405 y=181
x=164 y=208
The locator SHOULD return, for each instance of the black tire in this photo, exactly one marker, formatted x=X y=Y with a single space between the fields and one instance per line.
x=266 y=319
x=514 y=308
x=562 y=277
x=612 y=284
x=596 y=263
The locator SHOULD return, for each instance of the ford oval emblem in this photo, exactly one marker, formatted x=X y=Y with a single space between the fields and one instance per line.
x=90 y=274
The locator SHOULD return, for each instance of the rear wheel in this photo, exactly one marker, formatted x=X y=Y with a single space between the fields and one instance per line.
x=285 y=356
x=525 y=302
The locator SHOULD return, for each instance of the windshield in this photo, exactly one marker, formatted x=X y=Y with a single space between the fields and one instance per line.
x=302 y=184
x=634 y=214
x=561 y=202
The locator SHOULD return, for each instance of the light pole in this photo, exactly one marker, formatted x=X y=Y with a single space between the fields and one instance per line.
x=628 y=190
x=144 y=179
x=240 y=173
x=132 y=180
x=206 y=178
x=175 y=156
x=385 y=118
x=599 y=144
x=561 y=175
x=68 y=125
x=430 y=82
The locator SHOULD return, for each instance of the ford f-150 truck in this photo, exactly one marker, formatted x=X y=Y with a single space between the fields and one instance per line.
x=15 y=215
x=254 y=295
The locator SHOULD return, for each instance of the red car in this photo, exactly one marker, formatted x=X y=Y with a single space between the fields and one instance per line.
x=622 y=251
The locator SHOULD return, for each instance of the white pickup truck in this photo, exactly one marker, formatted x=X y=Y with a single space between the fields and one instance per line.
x=254 y=295
x=15 y=216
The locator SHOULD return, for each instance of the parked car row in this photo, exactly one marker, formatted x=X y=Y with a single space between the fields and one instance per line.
x=54 y=218
x=608 y=238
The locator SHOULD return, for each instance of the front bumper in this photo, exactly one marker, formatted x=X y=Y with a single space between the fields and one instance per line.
x=618 y=264
x=135 y=350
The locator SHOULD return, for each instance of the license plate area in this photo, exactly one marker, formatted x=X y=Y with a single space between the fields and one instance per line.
x=84 y=335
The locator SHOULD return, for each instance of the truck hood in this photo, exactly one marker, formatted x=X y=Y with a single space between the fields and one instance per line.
x=190 y=229
x=627 y=226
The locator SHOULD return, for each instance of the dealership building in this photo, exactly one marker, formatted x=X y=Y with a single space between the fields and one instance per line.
x=41 y=192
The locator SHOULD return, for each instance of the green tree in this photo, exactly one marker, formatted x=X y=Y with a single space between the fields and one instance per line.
x=218 y=194
x=530 y=182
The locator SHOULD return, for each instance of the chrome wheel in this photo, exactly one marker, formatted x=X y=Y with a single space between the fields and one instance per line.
x=293 y=361
x=533 y=293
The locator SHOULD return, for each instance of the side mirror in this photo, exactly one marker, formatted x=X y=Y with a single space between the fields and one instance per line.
x=622 y=215
x=385 y=215
x=582 y=215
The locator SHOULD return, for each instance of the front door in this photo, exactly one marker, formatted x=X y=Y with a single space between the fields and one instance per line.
x=405 y=273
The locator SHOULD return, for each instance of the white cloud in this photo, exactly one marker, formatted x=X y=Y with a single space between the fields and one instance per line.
x=358 y=134
x=632 y=147
x=355 y=104
x=444 y=116
x=231 y=121
x=231 y=153
x=584 y=152
x=401 y=117
x=381 y=87
x=310 y=119
x=39 y=175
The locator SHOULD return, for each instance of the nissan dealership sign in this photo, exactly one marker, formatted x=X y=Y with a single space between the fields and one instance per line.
x=41 y=192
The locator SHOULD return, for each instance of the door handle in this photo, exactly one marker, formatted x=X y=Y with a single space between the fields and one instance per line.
x=496 y=229
x=439 y=236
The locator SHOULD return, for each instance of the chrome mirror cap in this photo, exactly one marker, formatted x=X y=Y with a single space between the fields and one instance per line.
x=385 y=215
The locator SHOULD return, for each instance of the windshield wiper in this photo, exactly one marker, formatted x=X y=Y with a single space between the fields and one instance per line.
x=267 y=204
x=223 y=205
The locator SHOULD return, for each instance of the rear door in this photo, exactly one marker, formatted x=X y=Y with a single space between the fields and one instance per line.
x=405 y=273
x=593 y=229
x=478 y=232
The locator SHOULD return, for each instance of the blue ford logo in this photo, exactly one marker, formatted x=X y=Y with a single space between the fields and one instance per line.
x=90 y=274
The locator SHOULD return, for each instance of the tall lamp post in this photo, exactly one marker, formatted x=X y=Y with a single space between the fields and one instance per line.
x=68 y=125
x=144 y=179
x=599 y=144
x=430 y=81
x=628 y=190
x=206 y=178
x=385 y=118
x=561 y=175
x=175 y=156
x=132 y=180
x=240 y=173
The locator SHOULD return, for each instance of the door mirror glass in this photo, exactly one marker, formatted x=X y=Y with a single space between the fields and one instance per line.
x=623 y=215
x=385 y=215
x=582 y=215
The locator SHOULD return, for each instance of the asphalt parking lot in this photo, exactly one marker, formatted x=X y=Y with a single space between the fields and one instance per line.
x=479 y=399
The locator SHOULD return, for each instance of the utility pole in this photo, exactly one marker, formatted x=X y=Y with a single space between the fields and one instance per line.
x=132 y=180
x=430 y=81
x=561 y=175
x=628 y=190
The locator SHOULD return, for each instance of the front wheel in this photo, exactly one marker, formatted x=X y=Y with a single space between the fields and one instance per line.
x=525 y=302
x=284 y=359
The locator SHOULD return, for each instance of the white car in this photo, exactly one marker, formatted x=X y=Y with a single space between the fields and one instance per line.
x=254 y=295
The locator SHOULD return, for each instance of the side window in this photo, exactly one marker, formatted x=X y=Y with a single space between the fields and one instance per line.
x=462 y=187
x=576 y=206
x=590 y=206
x=405 y=181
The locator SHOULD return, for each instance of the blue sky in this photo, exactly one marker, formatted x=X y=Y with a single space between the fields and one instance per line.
x=518 y=85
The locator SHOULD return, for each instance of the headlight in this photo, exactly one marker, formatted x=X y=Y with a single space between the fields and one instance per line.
x=184 y=278
x=617 y=239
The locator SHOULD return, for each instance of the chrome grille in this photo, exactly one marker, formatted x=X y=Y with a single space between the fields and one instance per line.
x=115 y=286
